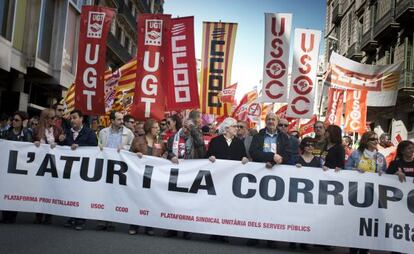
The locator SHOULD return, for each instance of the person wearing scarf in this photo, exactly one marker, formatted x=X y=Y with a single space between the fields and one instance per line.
x=366 y=159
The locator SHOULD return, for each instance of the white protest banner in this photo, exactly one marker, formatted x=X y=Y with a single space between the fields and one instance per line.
x=224 y=198
x=276 y=57
x=304 y=70
x=382 y=81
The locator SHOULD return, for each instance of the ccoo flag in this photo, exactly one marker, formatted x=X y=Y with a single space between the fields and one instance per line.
x=216 y=63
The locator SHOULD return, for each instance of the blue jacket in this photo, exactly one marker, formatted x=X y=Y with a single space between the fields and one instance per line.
x=355 y=157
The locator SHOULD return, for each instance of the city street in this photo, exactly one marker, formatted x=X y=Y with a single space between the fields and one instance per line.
x=26 y=237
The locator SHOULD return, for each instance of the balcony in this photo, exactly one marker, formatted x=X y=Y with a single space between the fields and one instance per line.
x=404 y=10
x=337 y=13
x=386 y=26
x=359 y=7
x=121 y=52
x=368 y=43
x=406 y=79
x=125 y=12
x=354 y=52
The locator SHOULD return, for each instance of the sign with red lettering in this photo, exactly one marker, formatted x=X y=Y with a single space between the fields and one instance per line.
x=356 y=111
x=304 y=70
x=228 y=93
x=335 y=106
x=89 y=84
x=153 y=45
x=182 y=92
x=276 y=56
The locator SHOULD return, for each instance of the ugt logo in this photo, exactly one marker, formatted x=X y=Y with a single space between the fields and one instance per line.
x=153 y=32
x=95 y=24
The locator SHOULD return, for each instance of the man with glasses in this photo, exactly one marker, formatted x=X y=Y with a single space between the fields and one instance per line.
x=129 y=122
x=319 y=129
x=294 y=142
x=244 y=135
x=270 y=145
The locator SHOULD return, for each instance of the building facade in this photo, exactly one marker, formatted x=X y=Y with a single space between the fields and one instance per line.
x=376 y=32
x=38 y=47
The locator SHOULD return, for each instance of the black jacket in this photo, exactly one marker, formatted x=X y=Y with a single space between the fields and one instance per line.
x=86 y=137
x=218 y=147
x=283 y=148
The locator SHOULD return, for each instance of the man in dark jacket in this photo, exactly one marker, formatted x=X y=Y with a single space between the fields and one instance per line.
x=269 y=145
x=78 y=135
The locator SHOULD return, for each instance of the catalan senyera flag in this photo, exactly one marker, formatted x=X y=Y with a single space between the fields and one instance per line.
x=266 y=109
x=216 y=64
x=124 y=92
x=69 y=100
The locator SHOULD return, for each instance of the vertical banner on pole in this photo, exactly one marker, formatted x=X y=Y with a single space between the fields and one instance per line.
x=276 y=57
x=335 y=106
x=153 y=73
x=304 y=70
x=356 y=111
x=182 y=93
x=90 y=72
x=216 y=64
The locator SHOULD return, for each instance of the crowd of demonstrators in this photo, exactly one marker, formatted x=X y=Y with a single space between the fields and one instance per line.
x=178 y=139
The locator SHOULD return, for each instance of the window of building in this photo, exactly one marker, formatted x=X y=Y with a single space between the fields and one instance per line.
x=71 y=40
x=133 y=11
x=122 y=41
x=128 y=44
x=6 y=19
x=46 y=29
x=118 y=33
x=350 y=32
x=113 y=26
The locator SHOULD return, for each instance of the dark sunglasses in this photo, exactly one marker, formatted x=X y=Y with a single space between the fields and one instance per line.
x=283 y=125
x=240 y=126
x=16 y=120
x=372 y=139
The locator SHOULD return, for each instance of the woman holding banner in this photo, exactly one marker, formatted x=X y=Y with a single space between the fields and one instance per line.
x=47 y=133
x=16 y=132
x=333 y=154
x=227 y=147
x=403 y=165
x=149 y=144
x=307 y=159
x=366 y=159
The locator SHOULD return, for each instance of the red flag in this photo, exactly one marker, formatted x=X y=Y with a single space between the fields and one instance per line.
x=241 y=110
x=227 y=94
x=307 y=127
x=153 y=45
x=90 y=73
x=293 y=125
x=356 y=111
x=281 y=112
x=335 y=106
x=182 y=92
